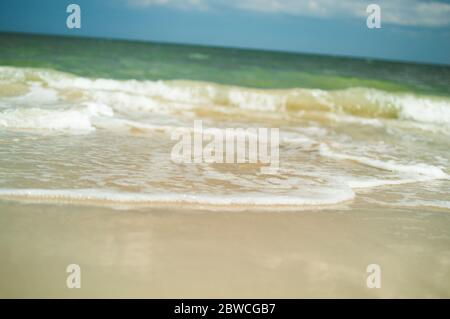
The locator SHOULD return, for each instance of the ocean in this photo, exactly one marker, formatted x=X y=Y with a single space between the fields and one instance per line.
x=92 y=120
x=86 y=126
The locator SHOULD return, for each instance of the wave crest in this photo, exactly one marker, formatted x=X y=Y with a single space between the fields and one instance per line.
x=168 y=96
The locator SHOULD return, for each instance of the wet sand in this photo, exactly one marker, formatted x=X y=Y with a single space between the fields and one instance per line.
x=161 y=252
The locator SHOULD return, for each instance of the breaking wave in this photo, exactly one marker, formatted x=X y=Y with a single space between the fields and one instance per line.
x=131 y=96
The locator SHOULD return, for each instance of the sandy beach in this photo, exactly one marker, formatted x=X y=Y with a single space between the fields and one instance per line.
x=195 y=253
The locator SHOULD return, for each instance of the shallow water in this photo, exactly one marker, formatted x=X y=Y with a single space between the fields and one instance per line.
x=100 y=139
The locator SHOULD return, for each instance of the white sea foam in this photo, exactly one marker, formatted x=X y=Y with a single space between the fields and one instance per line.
x=50 y=119
x=324 y=197
x=374 y=182
x=426 y=203
x=415 y=108
x=417 y=171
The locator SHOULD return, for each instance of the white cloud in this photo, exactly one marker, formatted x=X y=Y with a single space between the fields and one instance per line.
x=399 y=12
x=182 y=4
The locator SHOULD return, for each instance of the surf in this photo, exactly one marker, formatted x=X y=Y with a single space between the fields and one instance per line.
x=128 y=96
x=112 y=140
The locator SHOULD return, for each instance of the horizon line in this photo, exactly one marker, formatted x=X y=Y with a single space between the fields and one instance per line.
x=338 y=56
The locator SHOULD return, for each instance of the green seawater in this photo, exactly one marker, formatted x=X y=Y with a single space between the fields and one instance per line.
x=113 y=59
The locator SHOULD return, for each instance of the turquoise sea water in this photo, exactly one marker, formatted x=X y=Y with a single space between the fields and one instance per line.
x=102 y=58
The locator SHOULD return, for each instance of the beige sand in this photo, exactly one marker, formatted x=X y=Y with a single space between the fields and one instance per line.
x=171 y=253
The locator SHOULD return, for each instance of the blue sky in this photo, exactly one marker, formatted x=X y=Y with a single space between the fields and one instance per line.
x=412 y=30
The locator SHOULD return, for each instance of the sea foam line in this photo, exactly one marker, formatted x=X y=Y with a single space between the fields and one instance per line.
x=100 y=195
x=418 y=171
